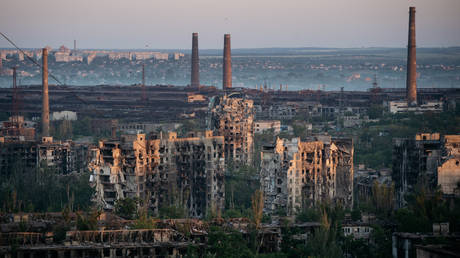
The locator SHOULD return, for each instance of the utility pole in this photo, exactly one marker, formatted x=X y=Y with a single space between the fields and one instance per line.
x=144 y=97
x=15 y=111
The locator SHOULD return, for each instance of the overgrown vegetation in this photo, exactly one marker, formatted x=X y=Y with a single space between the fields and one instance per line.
x=240 y=185
x=43 y=190
x=127 y=208
x=374 y=141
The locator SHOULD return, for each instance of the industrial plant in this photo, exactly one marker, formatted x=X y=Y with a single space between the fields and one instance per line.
x=221 y=169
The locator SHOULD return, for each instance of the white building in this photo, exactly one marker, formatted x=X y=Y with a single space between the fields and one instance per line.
x=64 y=115
x=357 y=230
x=401 y=106
x=265 y=125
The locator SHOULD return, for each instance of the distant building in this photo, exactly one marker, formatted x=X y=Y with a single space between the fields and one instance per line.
x=191 y=98
x=149 y=54
x=17 y=129
x=357 y=230
x=177 y=56
x=90 y=58
x=66 y=157
x=401 y=106
x=120 y=55
x=352 y=121
x=133 y=128
x=64 y=115
x=266 y=125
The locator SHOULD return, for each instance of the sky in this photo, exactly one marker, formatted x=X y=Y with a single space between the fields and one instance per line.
x=168 y=24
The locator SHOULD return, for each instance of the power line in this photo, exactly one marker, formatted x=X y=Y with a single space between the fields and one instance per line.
x=49 y=74
x=30 y=58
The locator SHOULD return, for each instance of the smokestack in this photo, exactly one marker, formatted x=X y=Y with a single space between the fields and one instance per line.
x=143 y=75
x=411 y=81
x=45 y=100
x=195 y=81
x=75 y=45
x=227 y=83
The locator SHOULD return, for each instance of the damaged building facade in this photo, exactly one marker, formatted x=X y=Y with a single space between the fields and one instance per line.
x=232 y=116
x=63 y=156
x=428 y=158
x=165 y=171
x=296 y=174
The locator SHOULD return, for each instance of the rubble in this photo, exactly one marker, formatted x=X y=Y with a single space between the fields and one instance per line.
x=171 y=237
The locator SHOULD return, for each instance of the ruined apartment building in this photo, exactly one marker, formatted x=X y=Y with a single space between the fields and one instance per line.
x=185 y=172
x=296 y=174
x=428 y=158
x=232 y=116
x=63 y=156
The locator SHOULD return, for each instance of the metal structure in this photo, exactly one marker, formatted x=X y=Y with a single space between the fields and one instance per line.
x=144 y=95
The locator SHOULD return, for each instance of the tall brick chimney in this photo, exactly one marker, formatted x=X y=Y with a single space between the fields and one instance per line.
x=45 y=100
x=195 y=81
x=411 y=81
x=227 y=80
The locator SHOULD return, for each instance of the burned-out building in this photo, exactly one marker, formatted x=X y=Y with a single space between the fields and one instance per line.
x=165 y=171
x=63 y=156
x=429 y=159
x=365 y=182
x=296 y=174
x=232 y=116
x=449 y=169
x=17 y=129
x=13 y=154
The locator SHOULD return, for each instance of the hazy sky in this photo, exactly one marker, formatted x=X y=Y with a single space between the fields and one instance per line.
x=252 y=23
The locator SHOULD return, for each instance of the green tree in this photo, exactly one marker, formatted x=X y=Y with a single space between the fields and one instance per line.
x=88 y=221
x=257 y=201
x=227 y=244
x=126 y=208
x=383 y=198
x=323 y=243
x=171 y=212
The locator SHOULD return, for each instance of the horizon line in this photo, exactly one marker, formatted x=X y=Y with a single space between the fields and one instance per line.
x=239 y=48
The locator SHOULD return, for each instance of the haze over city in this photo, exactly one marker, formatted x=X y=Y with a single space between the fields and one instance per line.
x=140 y=24
x=250 y=129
